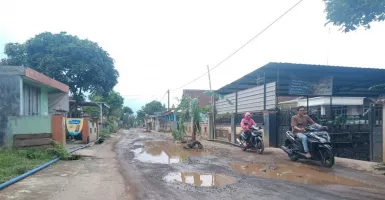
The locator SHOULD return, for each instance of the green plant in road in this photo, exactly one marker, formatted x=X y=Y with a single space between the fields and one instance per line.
x=189 y=111
x=59 y=150
x=180 y=132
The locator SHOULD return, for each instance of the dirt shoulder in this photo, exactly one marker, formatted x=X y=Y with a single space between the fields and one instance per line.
x=95 y=176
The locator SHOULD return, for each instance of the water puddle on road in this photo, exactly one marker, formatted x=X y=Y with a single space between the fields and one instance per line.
x=164 y=152
x=200 y=179
x=297 y=173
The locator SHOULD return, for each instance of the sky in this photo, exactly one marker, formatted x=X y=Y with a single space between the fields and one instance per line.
x=161 y=45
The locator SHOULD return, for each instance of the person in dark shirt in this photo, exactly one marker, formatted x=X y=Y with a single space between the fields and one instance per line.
x=298 y=124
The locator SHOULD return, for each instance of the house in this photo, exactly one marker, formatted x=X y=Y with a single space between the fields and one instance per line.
x=340 y=93
x=27 y=101
x=149 y=120
x=335 y=106
x=203 y=98
x=168 y=120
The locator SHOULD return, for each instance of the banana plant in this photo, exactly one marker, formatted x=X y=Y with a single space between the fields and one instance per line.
x=189 y=111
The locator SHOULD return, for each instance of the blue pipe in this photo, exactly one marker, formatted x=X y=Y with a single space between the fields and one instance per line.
x=32 y=171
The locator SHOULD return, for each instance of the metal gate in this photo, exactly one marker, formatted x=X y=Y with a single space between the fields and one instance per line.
x=376 y=129
x=356 y=136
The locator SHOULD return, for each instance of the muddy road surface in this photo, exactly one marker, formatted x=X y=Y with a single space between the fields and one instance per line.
x=156 y=168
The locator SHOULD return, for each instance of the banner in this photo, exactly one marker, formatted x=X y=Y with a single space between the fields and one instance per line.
x=314 y=87
x=74 y=126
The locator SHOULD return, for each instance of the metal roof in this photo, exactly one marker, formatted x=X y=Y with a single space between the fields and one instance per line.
x=347 y=81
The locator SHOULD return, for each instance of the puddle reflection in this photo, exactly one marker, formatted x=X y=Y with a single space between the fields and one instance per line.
x=164 y=152
x=202 y=180
x=297 y=173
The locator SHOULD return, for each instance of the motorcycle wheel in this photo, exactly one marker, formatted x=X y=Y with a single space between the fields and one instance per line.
x=260 y=147
x=293 y=158
x=328 y=158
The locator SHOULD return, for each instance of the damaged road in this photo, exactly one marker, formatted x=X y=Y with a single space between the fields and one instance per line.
x=156 y=168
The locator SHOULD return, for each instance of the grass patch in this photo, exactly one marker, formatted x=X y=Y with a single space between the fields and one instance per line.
x=18 y=161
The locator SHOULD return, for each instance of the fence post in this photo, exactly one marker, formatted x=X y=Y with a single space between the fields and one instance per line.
x=383 y=132
x=233 y=128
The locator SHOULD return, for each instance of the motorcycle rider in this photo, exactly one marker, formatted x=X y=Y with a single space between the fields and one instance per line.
x=246 y=123
x=298 y=124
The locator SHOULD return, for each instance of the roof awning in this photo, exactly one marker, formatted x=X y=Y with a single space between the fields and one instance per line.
x=345 y=81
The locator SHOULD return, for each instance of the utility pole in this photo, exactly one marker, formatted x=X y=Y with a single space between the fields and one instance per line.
x=208 y=72
x=212 y=125
x=168 y=99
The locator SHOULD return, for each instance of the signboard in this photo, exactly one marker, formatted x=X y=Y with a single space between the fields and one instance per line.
x=318 y=87
x=74 y=126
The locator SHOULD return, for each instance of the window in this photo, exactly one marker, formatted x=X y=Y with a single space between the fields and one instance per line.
x=339 y=110
x=31 y=97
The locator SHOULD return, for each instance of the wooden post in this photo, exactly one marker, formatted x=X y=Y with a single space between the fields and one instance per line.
x=212 y=107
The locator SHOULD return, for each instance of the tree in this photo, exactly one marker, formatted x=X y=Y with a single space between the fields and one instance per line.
x=153 y=107
x=127 y=117
x=140 y=115
x=81 y=64
x=114 y=100
x=149 y=109
x=351 y=14
x=127 y=110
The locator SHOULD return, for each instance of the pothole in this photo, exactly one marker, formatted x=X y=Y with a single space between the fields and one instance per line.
x=296 y=173
x=200 y=179
x=164 y=152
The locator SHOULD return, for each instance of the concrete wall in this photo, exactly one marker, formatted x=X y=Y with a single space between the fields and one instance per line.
x=223 y=132
x=9 y=104
x=30 y=124
x=92 y=125
x=205 y=130
x=58 y=100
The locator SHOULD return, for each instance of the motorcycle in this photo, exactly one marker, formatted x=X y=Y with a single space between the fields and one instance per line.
x=318 y=142
x=255 y=140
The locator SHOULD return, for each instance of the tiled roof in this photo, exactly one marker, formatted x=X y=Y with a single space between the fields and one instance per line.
x=203 y=99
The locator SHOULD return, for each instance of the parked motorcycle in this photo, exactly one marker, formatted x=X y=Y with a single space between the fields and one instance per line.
x=255 y=140
x=318 y=142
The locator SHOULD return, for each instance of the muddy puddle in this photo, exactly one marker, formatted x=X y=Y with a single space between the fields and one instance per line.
x=297 y=173
x=164 y=152
x=200 y=179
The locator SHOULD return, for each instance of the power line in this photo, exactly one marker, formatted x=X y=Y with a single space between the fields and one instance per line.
x=163 y=97
x=231 y=55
